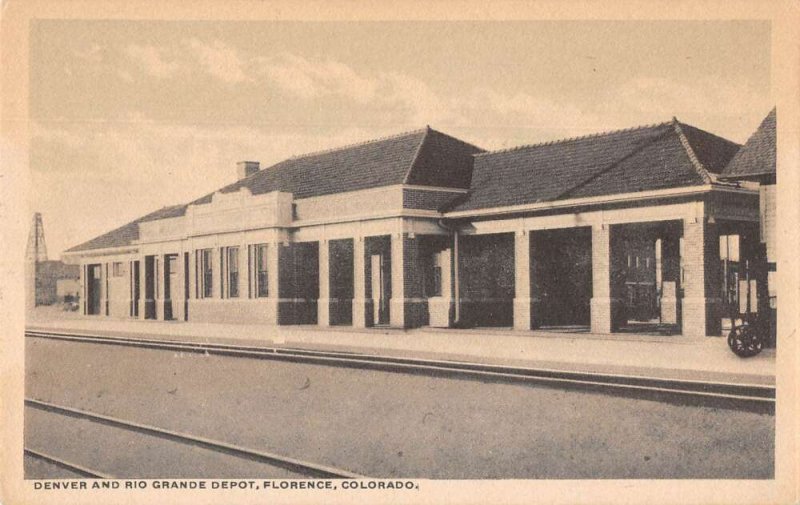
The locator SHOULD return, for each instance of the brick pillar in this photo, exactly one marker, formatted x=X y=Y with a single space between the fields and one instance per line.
x=701 y=284
x=179 y=291
x=192 y=273
x=397 y=305
x=142 y=286
x=602 y=302
x=158 y=264
x=522 y=280
x=324 y=301
x=670 y=278
x=273 y=278
x=83 y=286
x=104 y=288
x=359 y=284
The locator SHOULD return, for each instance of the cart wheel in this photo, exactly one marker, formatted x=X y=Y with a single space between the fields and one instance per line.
x=744 y=341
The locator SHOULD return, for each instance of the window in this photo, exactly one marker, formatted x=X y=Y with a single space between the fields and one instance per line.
x=261 y=278
x=233 y=272
x=434 y=279
x=205 y=275
x=116 y=269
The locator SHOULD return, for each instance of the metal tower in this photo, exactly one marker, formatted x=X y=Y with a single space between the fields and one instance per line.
x=37 y=249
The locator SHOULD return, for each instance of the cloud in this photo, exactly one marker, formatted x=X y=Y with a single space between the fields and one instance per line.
x=219 y=60
x=152 y=61
x=306 y=79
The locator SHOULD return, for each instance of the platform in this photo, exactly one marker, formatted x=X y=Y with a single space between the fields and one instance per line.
x=672 y=357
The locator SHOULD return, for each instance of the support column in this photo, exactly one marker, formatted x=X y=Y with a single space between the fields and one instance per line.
x=601 y=304
x=142 y=286
x=273 y=279
x=701 y=285
x=158 y=264
x=522 y=280
x=324 y=300
x=104 y=289
x=397 y=312
x=670 y=278
x=359 y=297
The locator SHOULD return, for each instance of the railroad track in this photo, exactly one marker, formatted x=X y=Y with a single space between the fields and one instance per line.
x=755 y=397
x=294 y=465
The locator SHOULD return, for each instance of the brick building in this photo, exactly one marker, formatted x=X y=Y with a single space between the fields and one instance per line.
x=604 y=232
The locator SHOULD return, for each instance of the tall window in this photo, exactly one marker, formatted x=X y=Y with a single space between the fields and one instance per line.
x=205 y=275
x=433 y=284
x=262 y=286
x=233 y=272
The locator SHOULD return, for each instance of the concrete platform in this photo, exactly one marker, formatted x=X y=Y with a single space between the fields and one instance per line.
x=673 y=357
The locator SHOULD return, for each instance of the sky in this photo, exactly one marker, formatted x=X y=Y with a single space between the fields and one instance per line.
x=130 y=116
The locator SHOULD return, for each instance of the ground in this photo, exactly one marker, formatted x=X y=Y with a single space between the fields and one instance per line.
x=385 y=424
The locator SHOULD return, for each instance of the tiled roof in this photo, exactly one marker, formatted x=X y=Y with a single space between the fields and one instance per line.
x=125 y=235
x=757 y=156
x=422 y=157
x=660 y=156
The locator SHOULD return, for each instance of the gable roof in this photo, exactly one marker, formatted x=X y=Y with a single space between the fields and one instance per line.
x=660 y=156
x=757 y=156
x=126 y=234
x=423 y=157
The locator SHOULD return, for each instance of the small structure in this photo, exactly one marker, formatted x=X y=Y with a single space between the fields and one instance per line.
x=43 y=275
x=755 y=162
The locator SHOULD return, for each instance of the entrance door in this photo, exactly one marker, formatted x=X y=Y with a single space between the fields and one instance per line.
x=93 y=288
x=380 y=297
x=170 y=283
x=134 y=289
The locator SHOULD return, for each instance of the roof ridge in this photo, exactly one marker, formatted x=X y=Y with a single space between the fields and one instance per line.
x=696 y=163
x=572 y=139
x=461 y=141
x=416 y=154
x=354 y=144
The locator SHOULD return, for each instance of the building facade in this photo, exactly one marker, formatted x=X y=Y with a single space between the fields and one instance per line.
x=606 y=232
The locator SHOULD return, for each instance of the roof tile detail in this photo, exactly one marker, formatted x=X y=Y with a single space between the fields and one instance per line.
x=624 y=161
x=757 y=156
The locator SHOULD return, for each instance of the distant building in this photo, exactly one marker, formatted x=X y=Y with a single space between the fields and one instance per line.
x=604 y=232
x=43 y=275
x=755 y=162
x=52 y=274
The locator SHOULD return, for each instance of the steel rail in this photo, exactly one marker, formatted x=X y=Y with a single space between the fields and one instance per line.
x=79 y=469
x=752 y=395
x=297 y=465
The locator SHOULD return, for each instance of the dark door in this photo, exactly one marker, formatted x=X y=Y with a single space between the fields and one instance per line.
x=94 y=289
x=379 y=269
x=135 y=289
x=170 y=283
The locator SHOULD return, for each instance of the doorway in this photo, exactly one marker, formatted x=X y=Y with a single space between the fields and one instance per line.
x=93 y=289
x=379 y=289
x=135 y=289
x=170 y=283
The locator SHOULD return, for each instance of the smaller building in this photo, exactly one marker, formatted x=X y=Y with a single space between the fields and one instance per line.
x=54 y=280
x=755 y=162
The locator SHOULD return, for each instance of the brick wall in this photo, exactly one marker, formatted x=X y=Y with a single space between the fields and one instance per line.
x=427 y=200
x=701 y=302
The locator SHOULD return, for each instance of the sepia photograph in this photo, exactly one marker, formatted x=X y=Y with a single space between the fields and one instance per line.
x=300 y=258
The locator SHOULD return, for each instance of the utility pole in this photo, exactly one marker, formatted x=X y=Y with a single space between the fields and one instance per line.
x=35 y=252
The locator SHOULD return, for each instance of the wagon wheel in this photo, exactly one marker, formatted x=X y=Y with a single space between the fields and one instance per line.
x=744 y=341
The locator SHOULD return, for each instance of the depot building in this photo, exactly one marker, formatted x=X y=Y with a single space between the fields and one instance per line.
x=618 y=231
